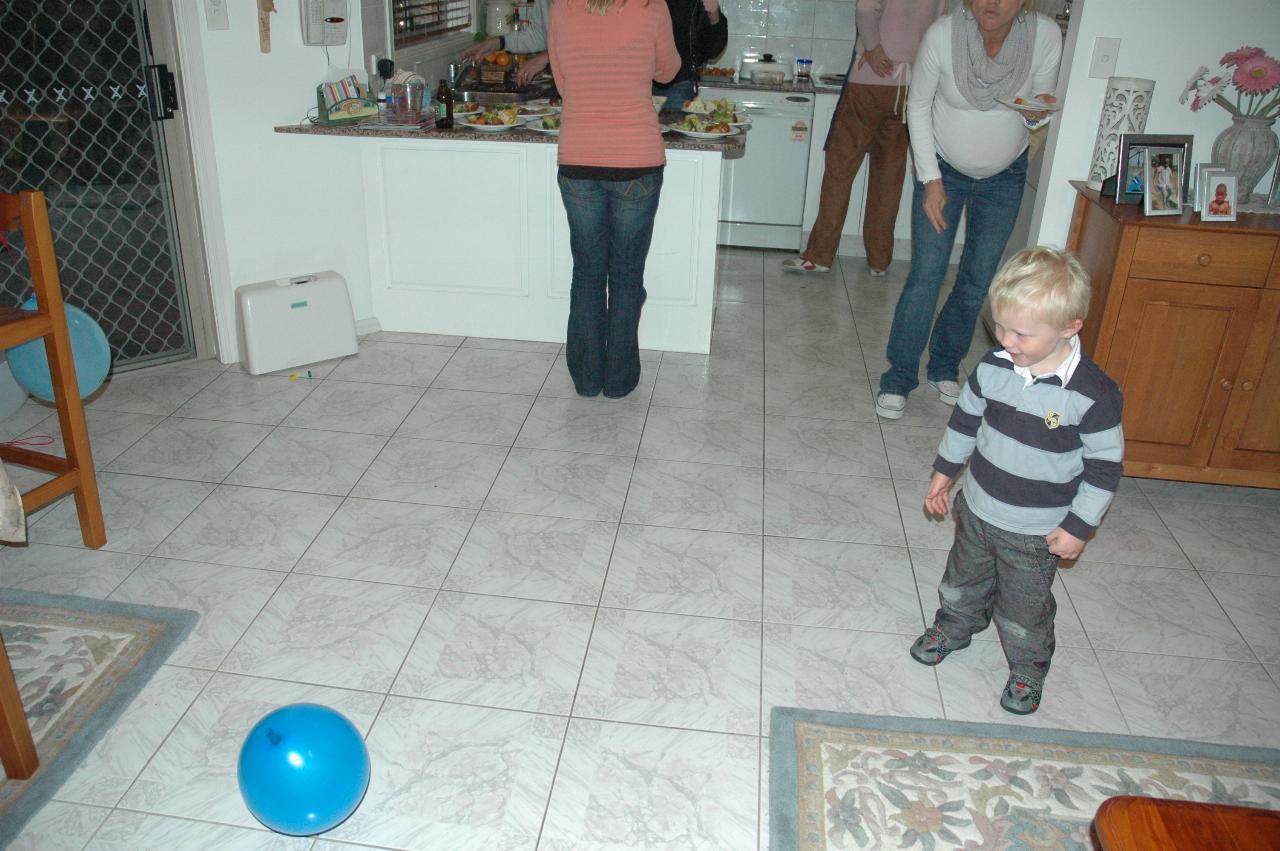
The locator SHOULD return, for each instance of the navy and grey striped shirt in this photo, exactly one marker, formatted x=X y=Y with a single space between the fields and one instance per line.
x=1041 y=454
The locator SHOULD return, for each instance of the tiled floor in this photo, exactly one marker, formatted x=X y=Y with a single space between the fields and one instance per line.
x=562 y=622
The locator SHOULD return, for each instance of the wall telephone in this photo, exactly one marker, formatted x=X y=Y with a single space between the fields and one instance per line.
x=324 y=22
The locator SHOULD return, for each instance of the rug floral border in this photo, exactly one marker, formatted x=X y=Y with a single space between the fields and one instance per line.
x=855 y=781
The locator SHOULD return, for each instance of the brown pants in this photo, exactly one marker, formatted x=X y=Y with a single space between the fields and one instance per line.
x=866 y=122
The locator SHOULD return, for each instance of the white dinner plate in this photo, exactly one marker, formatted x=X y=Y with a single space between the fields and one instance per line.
x=538 y=128
x=1030 y=105
x=695 y=134
x=489 y=128
x=467 y=109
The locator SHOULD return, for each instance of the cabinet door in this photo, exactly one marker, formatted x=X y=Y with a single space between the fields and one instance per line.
x=1175 y=354
x=824 y=109
x=1250 y=436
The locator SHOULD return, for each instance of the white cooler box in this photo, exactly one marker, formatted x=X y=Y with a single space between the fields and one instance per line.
x=291 y=322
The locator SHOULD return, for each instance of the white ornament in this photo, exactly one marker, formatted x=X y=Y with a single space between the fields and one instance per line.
x=1124 y=110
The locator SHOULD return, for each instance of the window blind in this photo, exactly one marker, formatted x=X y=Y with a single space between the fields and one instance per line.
x=415 y=21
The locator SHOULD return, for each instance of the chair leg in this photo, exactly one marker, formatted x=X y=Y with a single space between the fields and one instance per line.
x=62 y=372
x=17 y=749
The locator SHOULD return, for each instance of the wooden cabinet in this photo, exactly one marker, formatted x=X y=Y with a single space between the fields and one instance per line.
x=1186 y=318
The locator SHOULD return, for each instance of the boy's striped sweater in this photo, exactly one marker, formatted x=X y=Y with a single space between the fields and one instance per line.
x=1041 y=455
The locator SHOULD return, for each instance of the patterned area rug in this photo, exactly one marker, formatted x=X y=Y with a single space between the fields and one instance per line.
x=78 y=663
x=863 y=781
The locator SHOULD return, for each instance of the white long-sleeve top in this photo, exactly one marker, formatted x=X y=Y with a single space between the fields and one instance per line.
x=943 y=124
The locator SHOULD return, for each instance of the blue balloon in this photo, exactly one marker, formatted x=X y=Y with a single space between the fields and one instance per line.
x=89 y=350
x=303 y=769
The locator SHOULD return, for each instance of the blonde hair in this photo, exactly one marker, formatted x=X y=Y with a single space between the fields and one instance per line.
x=1050 y=283
x=602 y=7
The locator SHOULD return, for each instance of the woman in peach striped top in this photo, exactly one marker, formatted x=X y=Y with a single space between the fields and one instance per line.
x=605 y=55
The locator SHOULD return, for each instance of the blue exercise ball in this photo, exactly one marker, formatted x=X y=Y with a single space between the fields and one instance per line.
x=303 y=769
x=89 y=350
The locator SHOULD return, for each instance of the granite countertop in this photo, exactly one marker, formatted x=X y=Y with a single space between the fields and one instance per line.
x=731 y=148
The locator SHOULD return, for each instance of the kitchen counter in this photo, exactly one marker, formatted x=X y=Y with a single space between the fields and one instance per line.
x=730 y=148
x=464 y=232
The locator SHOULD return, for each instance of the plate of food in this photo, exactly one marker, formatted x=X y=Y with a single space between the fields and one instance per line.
x=697 y=127
x=1029 y=104
x=467 y=108
x=536 y=108
x=547 y=124
x=697 y=106
x=492 y=120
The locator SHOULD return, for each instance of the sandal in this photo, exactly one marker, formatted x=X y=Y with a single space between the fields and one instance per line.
x=799 y=264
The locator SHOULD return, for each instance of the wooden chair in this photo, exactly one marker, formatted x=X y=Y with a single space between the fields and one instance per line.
x=74 y=473
x=17 y=750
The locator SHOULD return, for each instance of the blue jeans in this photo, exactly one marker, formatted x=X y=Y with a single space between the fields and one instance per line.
x=610 y=226
x=993 y=207
x=677 y=94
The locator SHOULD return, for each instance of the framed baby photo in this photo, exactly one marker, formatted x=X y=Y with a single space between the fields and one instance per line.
x=1220 y=199
x=1203 y=170
x=1162 y=178
x=1132 y=164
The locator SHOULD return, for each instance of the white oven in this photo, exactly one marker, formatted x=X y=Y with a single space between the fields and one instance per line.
x=762 y=196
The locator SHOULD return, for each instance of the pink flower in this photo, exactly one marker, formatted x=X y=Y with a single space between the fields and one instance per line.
x=1237 y=56
x=1257 y=75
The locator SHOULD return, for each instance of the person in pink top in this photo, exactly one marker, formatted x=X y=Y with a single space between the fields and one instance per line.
x=870 y=118
x=605 y=55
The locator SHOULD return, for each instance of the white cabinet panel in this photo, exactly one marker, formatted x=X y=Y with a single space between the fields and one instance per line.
x=472 y=239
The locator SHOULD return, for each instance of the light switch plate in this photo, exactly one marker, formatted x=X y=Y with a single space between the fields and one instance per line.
x=1105 y=53
x=215 y=15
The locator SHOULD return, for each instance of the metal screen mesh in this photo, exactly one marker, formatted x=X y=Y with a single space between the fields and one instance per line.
x=74 y=124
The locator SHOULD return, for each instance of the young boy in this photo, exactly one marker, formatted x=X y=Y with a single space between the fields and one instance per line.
x=1039 y=424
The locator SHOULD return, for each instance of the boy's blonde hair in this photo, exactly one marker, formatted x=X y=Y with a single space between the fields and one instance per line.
x=1050 y=283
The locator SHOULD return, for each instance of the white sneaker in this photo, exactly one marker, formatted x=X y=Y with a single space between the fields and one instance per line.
x=877 y=273
x=948 y=391
x=891 y=405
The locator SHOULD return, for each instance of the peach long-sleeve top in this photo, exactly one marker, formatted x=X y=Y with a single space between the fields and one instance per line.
x=604 y=67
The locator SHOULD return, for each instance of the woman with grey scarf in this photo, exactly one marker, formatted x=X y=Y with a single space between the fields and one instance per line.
x=969 y=143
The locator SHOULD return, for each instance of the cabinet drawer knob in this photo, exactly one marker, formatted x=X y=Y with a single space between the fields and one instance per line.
x=1204 y=259
x=1226 y=384
x=1246 y=385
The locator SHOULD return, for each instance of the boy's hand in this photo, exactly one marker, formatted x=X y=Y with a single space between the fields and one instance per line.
x=938 y=499
x=1064 y=545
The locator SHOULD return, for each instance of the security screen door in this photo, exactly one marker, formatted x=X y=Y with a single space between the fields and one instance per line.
x=81 y=106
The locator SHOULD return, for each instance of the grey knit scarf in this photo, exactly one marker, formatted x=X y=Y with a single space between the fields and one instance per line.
x=981 y=78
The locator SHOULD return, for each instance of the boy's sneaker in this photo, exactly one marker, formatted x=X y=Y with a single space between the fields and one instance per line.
x=1021 y=695
x=948 y=391
x=932 y=647
x=799 y=264
x=877 y=273
x=891 y=405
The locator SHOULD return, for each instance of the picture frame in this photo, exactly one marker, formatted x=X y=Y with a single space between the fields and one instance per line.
x=1163 y=178
x=1220 y=199
x=1273 y=197
x=1130 y=163
x=1206 y=176
x=1201 y=172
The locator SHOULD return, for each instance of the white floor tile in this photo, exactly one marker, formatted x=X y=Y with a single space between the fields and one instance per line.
x=625 y=787
x=500 y=652
x=335 y=632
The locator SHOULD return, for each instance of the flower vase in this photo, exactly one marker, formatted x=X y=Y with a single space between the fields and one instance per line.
x=1248 y=149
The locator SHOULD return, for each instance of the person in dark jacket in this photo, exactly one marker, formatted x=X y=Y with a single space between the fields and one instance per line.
x=701 y=31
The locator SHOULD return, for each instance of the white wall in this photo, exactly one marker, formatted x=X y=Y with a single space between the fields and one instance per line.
x=273 y=205
x=1161 y=40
